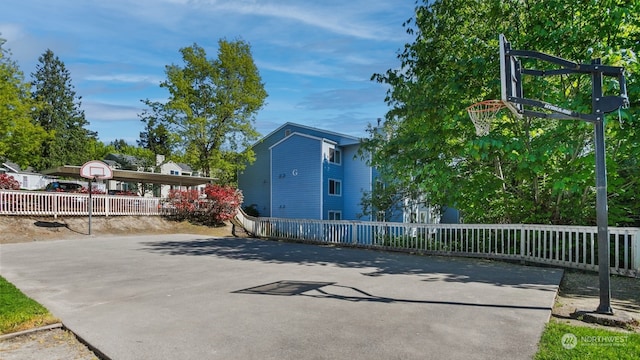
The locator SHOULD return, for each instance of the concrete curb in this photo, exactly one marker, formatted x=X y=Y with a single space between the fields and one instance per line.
x=99 y=354
x=30 y=331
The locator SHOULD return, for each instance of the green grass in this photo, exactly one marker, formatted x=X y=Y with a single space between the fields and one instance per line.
x=590 y=343
x=19 y=312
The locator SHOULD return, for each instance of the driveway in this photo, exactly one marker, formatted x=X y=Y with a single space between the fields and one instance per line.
x=192 y=297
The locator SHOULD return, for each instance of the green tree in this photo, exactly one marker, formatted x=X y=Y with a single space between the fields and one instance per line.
x=145 y=157
x=156 y=136
x=98 y=150
x=530 y=170
x=59 y=113
x=20 y=137
x=211 y=108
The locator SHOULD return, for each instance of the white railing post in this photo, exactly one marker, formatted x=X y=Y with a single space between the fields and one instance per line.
x=55 y=198
x=635 y=252
x=523 y=241
x=354 y=236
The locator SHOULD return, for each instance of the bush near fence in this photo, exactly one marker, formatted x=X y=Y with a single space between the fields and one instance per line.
x=213 y=206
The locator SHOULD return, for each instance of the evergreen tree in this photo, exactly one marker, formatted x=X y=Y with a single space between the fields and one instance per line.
x=60 y=114
x=156 y=136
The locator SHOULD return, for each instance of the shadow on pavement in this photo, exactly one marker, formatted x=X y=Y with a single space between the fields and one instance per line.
x=323 y=290
x=372 y=262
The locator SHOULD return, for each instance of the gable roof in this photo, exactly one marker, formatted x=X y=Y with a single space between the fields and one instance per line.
x=125 y=161
x=13 y=167
x=111 y=163
x=302 y=135
x=340 y=139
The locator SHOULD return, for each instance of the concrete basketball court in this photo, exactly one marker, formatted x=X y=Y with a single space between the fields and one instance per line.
x=192 y=297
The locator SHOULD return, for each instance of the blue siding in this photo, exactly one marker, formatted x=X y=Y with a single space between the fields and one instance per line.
x=333 y=172
x=255 y=181
x=295 y=178
x=358 y=179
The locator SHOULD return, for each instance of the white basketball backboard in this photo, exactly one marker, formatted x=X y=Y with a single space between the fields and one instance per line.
x=96 y=170
x=510 y=78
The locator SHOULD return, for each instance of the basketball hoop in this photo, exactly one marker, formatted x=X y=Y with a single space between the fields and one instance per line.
x=483 y=113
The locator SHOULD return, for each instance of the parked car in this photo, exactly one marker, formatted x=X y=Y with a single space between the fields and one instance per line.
x=60 y=186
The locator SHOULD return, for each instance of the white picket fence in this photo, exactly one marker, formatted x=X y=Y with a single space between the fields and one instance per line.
x=557 y=245
x=40 y=203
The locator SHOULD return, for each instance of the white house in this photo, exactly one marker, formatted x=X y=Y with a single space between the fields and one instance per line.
x=28 y=180
x=173 y=168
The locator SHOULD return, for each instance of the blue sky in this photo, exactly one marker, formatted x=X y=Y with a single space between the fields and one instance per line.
x=316 y=58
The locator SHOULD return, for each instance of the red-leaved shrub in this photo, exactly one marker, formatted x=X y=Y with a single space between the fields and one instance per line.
x=8 y=182
x=214 y=206
x=223 y=201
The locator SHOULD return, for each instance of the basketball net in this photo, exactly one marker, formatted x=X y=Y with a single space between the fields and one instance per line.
x=483 y=113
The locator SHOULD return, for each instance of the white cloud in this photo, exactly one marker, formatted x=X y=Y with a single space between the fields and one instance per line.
x=308 y=68
x=24 y=47
x=343 y=99
x=102 y=111
x=125 y=78
x=347 y=18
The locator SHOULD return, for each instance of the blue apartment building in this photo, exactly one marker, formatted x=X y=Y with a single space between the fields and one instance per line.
x=307 y=173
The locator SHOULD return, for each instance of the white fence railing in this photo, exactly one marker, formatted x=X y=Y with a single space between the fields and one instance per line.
x=558 y=245
x=59 y=204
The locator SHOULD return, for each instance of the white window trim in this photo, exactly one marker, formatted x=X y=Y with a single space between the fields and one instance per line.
x=335 y=150
x=329 y=187
x=334 y=212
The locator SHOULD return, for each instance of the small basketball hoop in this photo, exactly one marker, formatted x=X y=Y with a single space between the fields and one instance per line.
x=483 y=113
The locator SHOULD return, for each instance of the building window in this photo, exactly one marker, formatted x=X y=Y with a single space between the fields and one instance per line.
x=335 y=215
x=25 y=182
x=287 y=132
x=335 y=156
x=335 y=187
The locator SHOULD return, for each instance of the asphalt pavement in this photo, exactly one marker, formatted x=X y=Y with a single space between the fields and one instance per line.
x=193 y=297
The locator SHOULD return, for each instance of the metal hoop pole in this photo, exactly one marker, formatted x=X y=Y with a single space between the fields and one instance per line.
x=602 y=212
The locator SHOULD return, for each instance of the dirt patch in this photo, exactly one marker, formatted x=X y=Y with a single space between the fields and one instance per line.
x=580 y=291
x=45 y=345
x=14 y=229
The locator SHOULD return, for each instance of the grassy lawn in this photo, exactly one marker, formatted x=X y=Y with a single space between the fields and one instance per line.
x=557 y=342
x=19 y=312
